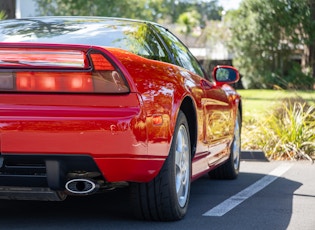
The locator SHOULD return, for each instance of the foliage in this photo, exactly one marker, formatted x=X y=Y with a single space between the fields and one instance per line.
x=265 y=36
x=187 y=21
x=288 y=132
x=152 y=10
x=294 y=79
x=209 y=10
x=2 y=15
x=123 y=8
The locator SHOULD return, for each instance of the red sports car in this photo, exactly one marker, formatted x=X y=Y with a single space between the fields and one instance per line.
x=90 y=104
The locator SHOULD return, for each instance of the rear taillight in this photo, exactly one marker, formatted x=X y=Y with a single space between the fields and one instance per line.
x=106 y=77
x=58 y=70
x=42 y=58
x=54 y=82
x=100 y=62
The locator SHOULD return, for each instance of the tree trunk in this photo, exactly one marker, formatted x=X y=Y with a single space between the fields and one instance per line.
x=312 y=45
x=8 y=6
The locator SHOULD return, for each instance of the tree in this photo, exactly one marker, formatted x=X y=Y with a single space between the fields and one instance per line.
x=152 y=10
x=265 y=36
x=188 y=21
x=138 y=9
x=311 y=47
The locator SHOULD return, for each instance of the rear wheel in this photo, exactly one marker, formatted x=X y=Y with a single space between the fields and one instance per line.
x=230 y=169
x=166 y=197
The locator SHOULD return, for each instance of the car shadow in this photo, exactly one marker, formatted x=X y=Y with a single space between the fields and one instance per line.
x=270 y=208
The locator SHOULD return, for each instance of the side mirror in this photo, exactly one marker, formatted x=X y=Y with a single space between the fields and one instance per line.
x=225 y=75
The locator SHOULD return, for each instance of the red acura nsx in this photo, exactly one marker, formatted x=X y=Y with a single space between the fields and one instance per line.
x=90 y=104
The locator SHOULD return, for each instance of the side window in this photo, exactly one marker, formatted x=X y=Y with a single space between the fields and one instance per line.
x=139 y=39
x=182 y=55
x=152 y=49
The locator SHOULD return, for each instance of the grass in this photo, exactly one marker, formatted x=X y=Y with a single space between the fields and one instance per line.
x=279 y=122
x=257 y=102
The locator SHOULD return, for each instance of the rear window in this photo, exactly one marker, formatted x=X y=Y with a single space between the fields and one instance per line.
x=135 y=37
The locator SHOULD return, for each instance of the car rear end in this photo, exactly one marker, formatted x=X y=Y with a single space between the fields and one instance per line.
x=70 y=121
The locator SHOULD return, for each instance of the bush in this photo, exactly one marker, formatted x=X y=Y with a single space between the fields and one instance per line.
x=3 y=15
x=288 y=132
x=292 y=78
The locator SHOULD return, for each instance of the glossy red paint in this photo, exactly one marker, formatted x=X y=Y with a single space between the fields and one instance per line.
x=97 y=125
x=164 y=95
x=65 y=124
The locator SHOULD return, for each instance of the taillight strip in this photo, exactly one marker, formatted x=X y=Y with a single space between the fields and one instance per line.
x=19 y=57
x=60 y=68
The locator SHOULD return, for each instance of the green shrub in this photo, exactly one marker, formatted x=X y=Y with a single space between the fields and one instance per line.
x=3 y=15
x=292 y=78
x=288 y=132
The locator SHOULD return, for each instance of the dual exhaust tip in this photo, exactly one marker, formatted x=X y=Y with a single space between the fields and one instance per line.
x=81 y=186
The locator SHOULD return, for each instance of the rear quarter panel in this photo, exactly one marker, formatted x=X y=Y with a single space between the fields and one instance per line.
x=162 y=87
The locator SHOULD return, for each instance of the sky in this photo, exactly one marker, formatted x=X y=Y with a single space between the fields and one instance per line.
x=229 y=4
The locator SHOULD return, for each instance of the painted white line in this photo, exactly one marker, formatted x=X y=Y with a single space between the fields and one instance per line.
x=235 y=200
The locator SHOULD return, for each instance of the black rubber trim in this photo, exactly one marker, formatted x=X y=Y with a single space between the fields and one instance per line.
x=42 y=170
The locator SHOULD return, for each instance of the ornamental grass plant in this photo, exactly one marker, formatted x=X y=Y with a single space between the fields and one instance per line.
x=287 y=132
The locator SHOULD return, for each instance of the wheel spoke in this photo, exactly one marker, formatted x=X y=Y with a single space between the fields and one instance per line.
x=236 y=146
x=182 y=169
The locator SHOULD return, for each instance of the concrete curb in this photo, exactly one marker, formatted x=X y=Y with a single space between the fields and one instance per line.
x=253 y=155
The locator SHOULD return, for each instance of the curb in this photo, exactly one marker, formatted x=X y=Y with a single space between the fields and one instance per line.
x=253 y=155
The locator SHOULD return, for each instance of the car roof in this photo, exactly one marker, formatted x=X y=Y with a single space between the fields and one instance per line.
x=86 y=19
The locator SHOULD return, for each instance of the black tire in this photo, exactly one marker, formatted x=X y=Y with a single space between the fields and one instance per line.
x=230 y=169
x=166 y=197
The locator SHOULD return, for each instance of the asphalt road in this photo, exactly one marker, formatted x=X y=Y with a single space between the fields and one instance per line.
x=267 y=195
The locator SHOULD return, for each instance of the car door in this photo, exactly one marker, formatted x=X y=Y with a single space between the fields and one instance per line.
x=217 y=112
x=215 y=126
x=218 y=125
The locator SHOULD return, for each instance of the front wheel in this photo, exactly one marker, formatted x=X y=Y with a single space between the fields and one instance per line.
x=166 y=197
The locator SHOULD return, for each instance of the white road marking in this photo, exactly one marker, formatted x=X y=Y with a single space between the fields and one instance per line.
x=235 y=200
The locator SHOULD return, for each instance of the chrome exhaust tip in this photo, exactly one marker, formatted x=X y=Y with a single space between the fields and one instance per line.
x=81 y=186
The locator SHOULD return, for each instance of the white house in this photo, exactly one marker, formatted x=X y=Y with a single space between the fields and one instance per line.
x=25 y=8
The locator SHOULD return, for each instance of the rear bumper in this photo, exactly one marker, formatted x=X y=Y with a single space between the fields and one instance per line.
x=130 y=169
x=53 y=171
x=22 y=170
x=43 y=138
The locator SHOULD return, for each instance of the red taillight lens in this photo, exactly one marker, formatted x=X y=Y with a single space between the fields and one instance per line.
x=106 y=78
x=59 y=70
x=100 y=62
x=54 y=82
x=98 y=82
